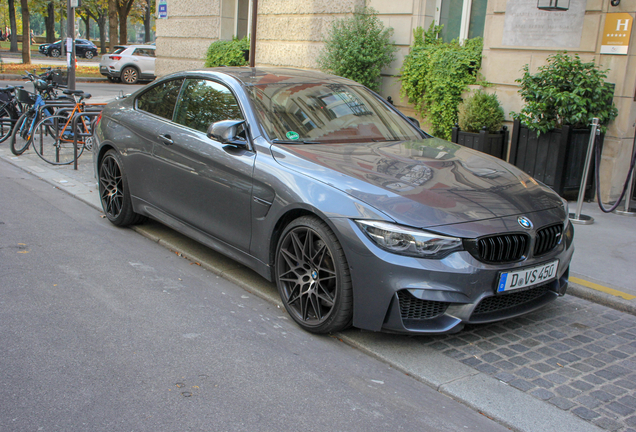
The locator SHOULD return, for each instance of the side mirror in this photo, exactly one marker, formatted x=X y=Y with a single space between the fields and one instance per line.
x=227 y=132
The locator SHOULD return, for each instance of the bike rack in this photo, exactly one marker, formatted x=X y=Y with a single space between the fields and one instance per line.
x=75 y=134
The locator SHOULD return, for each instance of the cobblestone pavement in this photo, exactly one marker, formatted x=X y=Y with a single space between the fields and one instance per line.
x=574 y=354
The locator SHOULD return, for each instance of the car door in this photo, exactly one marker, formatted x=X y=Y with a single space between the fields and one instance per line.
x=145 y=60
x=204 y=183
x=152 y=111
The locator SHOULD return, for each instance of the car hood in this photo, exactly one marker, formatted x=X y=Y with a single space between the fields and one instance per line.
x=423 y=183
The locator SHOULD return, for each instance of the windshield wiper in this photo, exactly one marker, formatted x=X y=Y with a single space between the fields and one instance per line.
x=280 y=141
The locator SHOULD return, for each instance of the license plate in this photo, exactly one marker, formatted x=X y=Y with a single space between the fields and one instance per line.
x=527 y=277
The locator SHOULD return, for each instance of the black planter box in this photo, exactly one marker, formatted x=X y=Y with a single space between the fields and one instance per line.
x=556 y=158
x=495 y=144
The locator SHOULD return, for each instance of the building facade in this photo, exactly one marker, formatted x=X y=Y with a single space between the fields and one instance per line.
x=515 y=32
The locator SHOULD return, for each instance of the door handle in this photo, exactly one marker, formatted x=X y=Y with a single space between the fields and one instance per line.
x=166 y=139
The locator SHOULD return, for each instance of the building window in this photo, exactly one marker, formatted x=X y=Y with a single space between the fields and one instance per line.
x=462 y=19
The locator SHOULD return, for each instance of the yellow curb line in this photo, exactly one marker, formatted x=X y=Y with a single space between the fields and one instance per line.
x=602 y=288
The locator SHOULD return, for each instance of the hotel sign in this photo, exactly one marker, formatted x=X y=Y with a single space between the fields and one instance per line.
x=616 y=34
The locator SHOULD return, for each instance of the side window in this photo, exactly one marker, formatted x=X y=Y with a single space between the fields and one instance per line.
x=204 y=102
x=161 y=99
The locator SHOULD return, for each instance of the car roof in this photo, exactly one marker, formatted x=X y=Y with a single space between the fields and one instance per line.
x=273 y=75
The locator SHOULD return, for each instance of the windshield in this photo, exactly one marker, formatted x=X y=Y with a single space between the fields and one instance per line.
x=327 y=113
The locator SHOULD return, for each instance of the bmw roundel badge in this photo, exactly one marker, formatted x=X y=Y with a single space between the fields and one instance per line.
x=524 y=222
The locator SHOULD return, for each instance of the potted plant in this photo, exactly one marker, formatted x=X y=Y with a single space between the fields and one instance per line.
x=551 y=133
x=480 y=125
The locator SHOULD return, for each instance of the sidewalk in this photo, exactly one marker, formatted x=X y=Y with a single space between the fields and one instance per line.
x=569 y=367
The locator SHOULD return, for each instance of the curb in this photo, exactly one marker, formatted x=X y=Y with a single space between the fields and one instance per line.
x=601 y=298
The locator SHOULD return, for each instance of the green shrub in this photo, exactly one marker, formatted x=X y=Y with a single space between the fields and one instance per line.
x=566 y=91
x=227 y=53
x=479 y=110
x=358 y=48
x=435 y=74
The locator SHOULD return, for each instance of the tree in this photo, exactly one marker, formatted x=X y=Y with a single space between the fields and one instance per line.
x=123 y=9
x=112 y=24
x=14 y=27
x=142 y=12
x=50 y=22
x=98 y=11
x=26 y=33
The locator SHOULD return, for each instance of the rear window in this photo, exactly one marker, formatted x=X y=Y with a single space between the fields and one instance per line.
x=118 y=51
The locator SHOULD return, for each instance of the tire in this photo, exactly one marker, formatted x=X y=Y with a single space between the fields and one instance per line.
x=312 y=276
x=20 y=138
x=7 y=120
x=89 y=55
x=129 y=75
x=113 y=191
x=55 y=52
x=52 y=140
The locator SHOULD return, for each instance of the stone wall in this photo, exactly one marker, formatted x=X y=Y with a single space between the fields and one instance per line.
x=184 y=37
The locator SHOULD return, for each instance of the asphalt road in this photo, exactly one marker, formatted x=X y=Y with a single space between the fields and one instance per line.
x=100 y=90
x=103 y=329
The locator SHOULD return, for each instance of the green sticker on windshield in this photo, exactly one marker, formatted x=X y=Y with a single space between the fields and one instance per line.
x=292 y=135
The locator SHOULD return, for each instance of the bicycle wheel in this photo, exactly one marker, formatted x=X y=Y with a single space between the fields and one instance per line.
x=53 y=141
x=6 y=124
x=20 y=137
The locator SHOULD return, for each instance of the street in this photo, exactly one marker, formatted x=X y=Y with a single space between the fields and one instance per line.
x=103 y=329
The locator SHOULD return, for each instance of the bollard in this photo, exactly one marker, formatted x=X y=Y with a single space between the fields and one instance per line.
x=578 y=218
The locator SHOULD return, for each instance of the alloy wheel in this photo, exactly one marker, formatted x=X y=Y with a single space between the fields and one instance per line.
x=307 y=276
x=111 y=186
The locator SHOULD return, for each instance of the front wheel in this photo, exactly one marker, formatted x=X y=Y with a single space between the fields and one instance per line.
x=88 y=55
x=7 y=120
x=55 y=52
x=313 y=276
x=52 y=140
x=114 y=193
x=20 y=136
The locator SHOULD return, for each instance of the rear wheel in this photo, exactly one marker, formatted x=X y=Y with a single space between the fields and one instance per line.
x=52 y=140
x=129 y=75
x=7 y=121
x=20 y=137
x=113 y=191
x=313 y=277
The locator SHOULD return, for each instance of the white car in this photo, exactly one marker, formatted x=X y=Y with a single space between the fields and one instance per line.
x=129 y=64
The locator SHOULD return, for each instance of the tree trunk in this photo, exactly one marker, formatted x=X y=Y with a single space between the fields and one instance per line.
x=101 y=23
x=87 y=23
x=14 y=27
x=123 y=28
x=147 y=23
x=50 y=23
x=26 y=33
x=112 y=24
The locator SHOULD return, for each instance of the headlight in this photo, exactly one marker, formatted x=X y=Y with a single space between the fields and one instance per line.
x=566 y=207
x=409 y=241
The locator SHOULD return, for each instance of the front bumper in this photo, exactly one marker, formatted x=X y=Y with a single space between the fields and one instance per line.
x=402 y=294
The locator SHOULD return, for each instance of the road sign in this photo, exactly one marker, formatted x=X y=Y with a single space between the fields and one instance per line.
x=162 y=9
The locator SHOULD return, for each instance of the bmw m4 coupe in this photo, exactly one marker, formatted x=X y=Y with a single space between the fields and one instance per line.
x=320 y=185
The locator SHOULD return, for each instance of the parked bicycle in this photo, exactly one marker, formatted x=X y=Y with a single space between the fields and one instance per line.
x=10 y=111
x=60 y=139
x=32 y=108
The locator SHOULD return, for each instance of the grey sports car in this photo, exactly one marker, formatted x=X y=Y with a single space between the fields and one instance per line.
x=317 y=183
